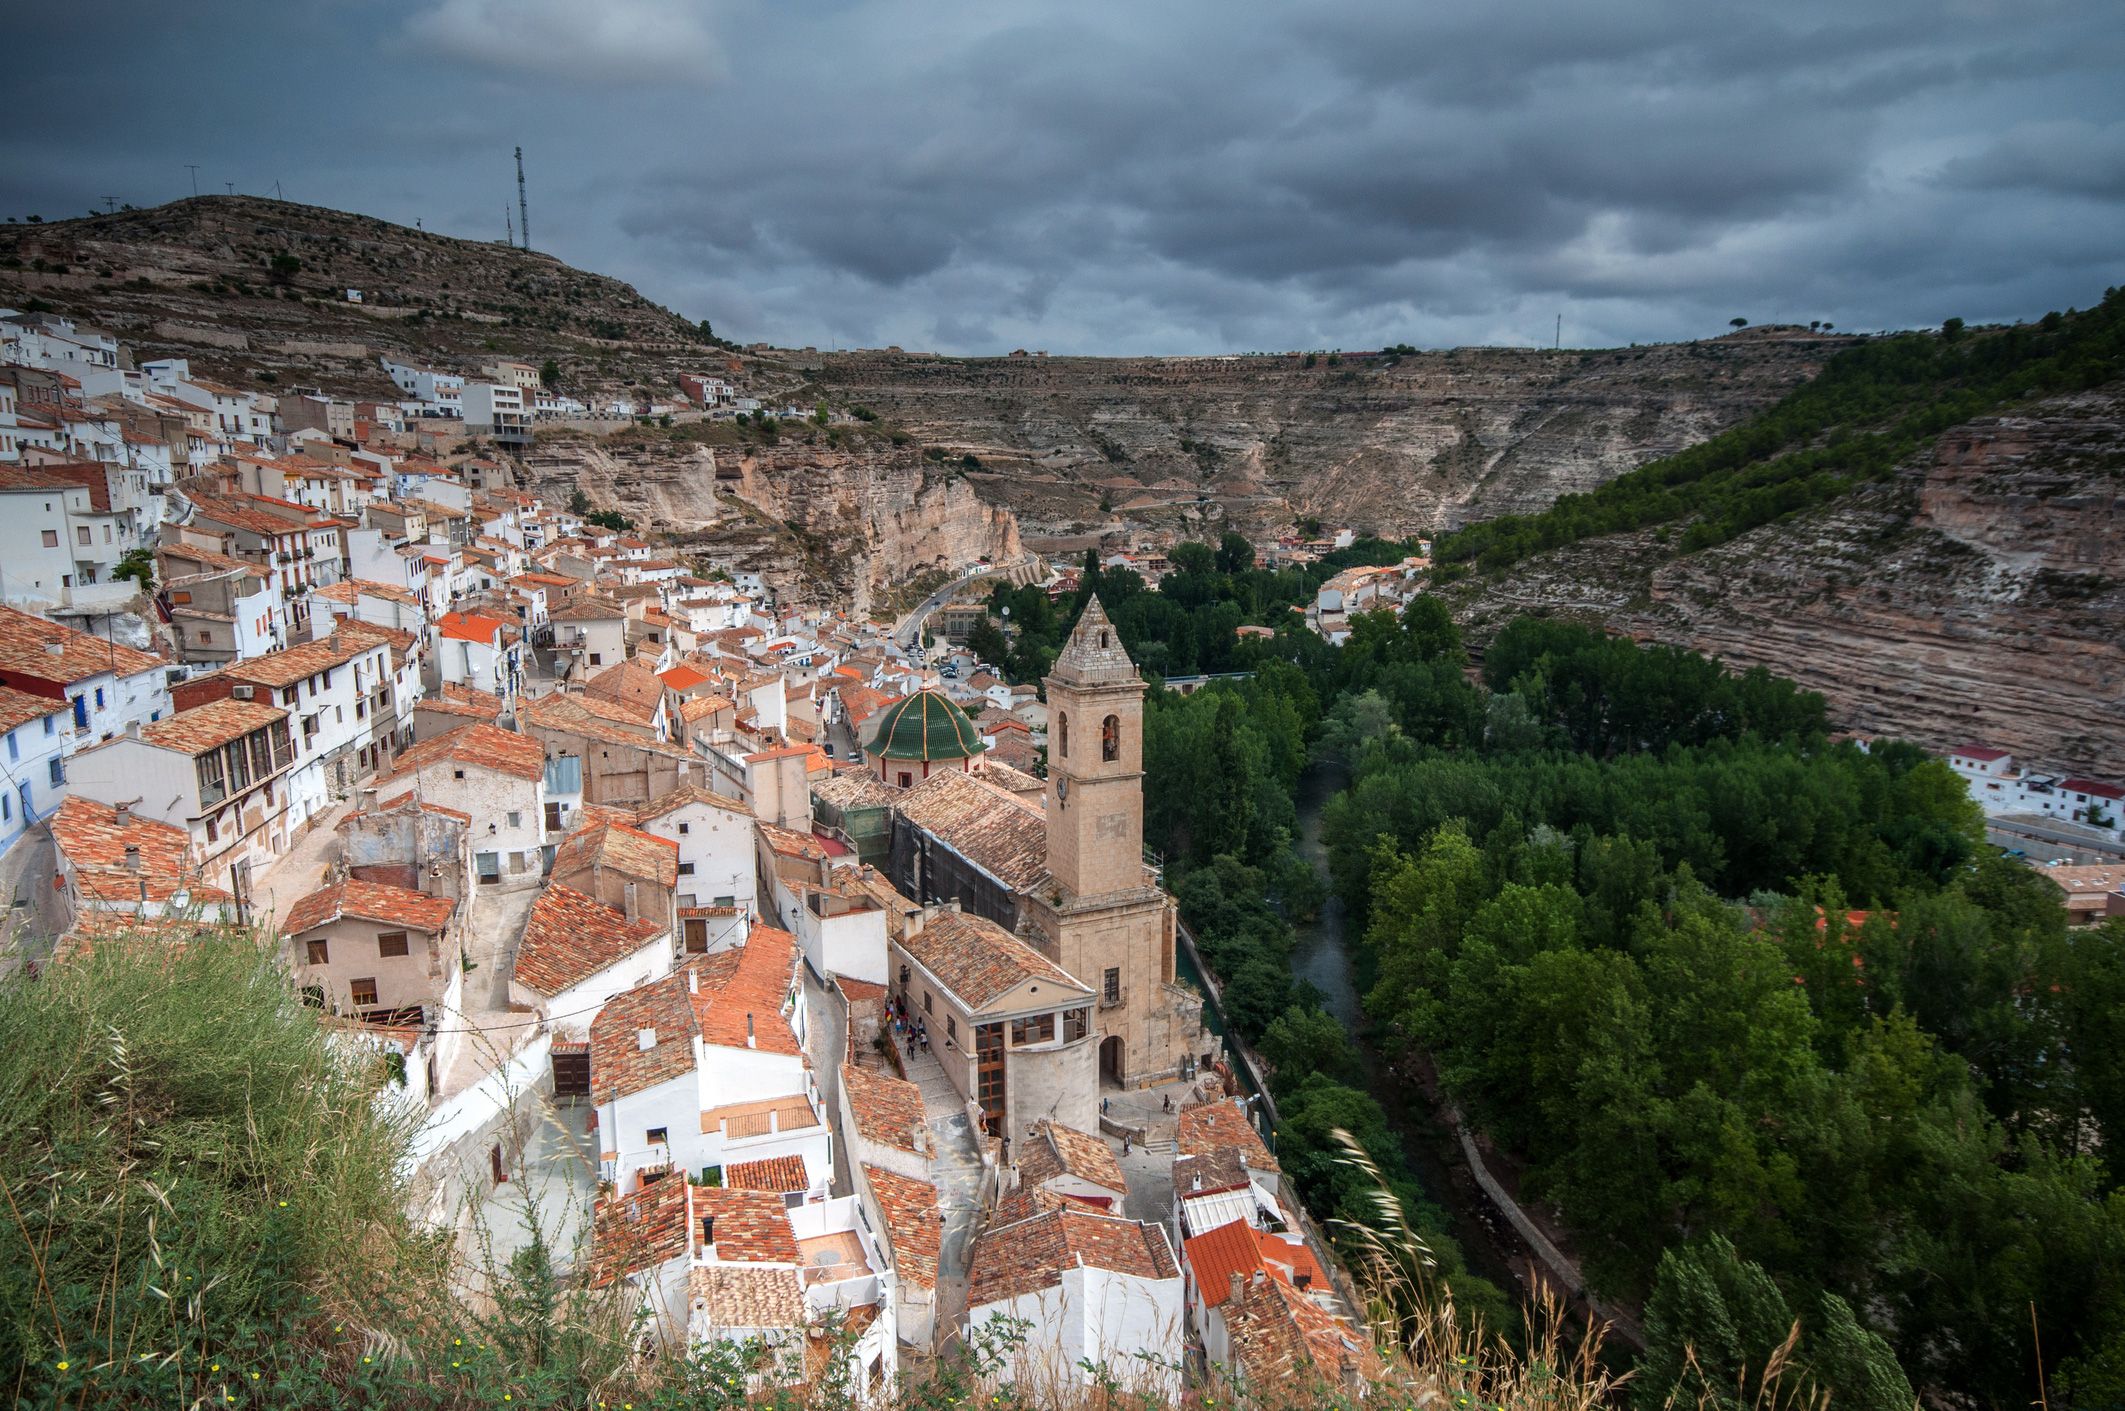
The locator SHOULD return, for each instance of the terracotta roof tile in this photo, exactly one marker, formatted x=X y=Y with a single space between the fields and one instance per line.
x=369 y=901
x=1281 y=1338
x=685 y=794
x=914 y=1225
x=1210 y=1125
x=887 y=1110
x=570 y=937
x=629 y=851
x=1005 y=835
x=752 y=1227
x=1053 y=1150
x=488 y=746
x=1032 y=1254
x=629 y=1233
x=20 y=708
x=93 y=842
x=977 y=960
x=779 y=1174
x=743 y=1297
x=205 y=727
x=24 y=649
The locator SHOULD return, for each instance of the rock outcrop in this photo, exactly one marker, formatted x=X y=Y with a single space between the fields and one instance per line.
x=1980 y=596
x=822 y=525
x=1394 y=445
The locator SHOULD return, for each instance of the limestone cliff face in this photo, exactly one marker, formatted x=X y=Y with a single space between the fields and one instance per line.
x=838 y=528
x=1417 y=443
x=1976 y=598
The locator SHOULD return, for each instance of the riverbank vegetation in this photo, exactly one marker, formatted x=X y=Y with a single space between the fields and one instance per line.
x=1752 y=1011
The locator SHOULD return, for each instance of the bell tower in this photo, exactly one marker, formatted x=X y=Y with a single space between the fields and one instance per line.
x=1095 y=800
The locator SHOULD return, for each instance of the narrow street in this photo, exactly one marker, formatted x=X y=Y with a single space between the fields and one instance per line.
x=300 y=870
x=955 y=1169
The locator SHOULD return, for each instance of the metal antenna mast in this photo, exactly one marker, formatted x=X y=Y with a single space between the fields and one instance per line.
x=1560 y=334
x=508 y=225
x=523 y=210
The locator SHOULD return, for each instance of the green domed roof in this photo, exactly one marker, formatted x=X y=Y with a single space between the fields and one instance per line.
x=924 y=726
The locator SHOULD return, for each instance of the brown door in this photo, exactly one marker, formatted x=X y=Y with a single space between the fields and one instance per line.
x=988 y=1073
x=696 y=935
x=571 y=1074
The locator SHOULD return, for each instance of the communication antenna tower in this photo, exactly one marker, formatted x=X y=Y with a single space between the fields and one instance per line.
x=509 y=225
x=523 y=209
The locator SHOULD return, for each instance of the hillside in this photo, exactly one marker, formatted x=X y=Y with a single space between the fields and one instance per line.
x=1942 y=561
x=193 y=279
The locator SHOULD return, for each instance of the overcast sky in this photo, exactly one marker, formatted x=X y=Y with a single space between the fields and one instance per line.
x=1151 y=176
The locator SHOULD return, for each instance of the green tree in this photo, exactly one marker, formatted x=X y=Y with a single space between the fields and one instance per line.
x=1234 y=553
x=988 y=643
x=550 y=373
x=138 y=565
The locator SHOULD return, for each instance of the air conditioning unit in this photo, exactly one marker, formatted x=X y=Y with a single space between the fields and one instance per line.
x=243 y=693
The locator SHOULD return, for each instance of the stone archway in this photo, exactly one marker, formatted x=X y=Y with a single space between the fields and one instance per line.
x=1113 y=1061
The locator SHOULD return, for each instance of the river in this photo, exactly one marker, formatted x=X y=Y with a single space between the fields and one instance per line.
x=1323 y=958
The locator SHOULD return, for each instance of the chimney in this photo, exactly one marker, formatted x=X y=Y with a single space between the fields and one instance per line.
x=55 y=647
x=122 y=815
x=132 y=857
x=368 y=801
x=750 y=1041
x=1238 y=1282
x=645 y=1039
x=634 y=911
x=132 y=729
x=693 y=981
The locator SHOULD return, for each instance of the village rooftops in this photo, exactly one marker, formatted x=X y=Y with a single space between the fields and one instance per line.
x=470 y=626
x=672 y=801
x=210 y=726
x=630 y=1233
x=913 y=1224
x=1239 y=1248
x=479 y=744
x=978 y=961
x=745 y=1297
x=1000 y=832
x=464 y=701
x=628 y=683
x=732 y=999
x=1281 y=1338
x=370 y=901
x=1053 y=1150
x=887 y=1110
x=20 y=708
x=124 y=863
x=35 y=649
x=1032 y=1254
x=750 y=1227
x=782 y=1175
x=570 y=937
x=290 y=665
x=1208 y=1126
x=624 y=849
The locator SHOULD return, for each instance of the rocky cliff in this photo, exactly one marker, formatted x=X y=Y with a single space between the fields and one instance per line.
x=836 y=527
x=1392 y=444
x=1980 y=596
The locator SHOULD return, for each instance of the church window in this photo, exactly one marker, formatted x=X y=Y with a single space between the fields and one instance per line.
x=1111 y=986
x=1062 y=731
x=1110 y=739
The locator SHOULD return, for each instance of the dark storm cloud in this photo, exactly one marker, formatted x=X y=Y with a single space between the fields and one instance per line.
x=1197 y=174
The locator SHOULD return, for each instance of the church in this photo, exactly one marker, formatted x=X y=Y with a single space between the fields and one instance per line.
x=1055 y=976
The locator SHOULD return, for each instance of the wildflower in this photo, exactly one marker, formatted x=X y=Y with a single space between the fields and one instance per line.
x=457 y=1342
x=254 y=1376
x=284 y=1205
x=460 y=1364
x=64 y=1365
x=215 y=1368
x=365 y=1357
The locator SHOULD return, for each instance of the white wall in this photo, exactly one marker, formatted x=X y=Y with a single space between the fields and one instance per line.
x=569 y=1013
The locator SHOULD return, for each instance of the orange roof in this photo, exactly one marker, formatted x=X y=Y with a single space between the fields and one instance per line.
x=488 y=746
x=780 y=1174
x=913 y=1223
x=92 y=840
x=1239 y=1248
x=206 y=727
x=469 y=626
x=20 y=707
x=370 y=901
x=25 y=650
x=628 y=850
x=570 y=937
x=682 y=677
